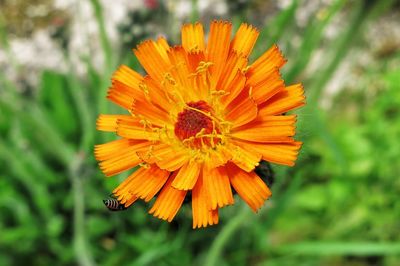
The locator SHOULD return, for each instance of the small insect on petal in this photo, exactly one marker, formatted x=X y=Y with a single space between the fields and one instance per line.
x=114 y=205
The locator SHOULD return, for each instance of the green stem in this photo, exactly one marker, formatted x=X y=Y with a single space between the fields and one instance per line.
x=226 y=234
x=107 y=52
x=105 y=43
x=82 y=253
x=86 y=117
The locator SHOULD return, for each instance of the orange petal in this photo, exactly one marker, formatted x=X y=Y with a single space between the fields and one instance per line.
x=122 y=191
x=267 y=129
x=194 y=59
x=187 y=176
x=133 y=129
x=267 y=86
x=289 y=98
x=270 y=60
x=165 y=156
x=218 y=47
x=153 y=59
x=150 y=114
x=124 y=159
x=233 y=89
x=234 y=64
x=202 y=213
x=125 y=87
x=198 y=78
x=129 y=201
x=219 y=156
x=193 y=37
x=244 y=158
x=219 y=189
x=162 y=47
x=156 y=94
x=108 y=123
x=128 y=76
x=121 y=95
x=280 y=153
x=244 y=40
x=249 y=186
x=108 y=150
x=168 y=202
x=146 y=186
x=263 y=77
x=154 y=153
x=242 y=112
x=173 y=160
x=181 y=71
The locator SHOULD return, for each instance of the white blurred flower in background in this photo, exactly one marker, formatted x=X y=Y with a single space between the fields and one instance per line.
x=40 y=50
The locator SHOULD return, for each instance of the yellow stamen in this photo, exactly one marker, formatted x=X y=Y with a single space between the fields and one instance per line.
x=203 y=66
x=172 y=89
x=150 y=153
x=143 y=86
x=245 y=70
x=144 y=165
x=219 y=93
x=146 y=123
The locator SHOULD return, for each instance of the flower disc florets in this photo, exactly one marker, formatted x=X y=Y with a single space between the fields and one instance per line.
x=195 y=125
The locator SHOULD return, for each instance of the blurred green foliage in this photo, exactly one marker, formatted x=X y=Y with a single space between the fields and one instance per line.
x=338 y=206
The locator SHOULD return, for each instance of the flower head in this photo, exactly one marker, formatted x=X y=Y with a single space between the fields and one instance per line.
x=201 y=120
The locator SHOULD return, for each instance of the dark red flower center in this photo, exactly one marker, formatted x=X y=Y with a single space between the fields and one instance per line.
x=193 y=120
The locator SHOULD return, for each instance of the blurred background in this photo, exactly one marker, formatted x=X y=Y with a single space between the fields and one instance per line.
x=338 y=206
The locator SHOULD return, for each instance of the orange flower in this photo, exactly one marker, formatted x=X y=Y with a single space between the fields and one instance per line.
x=201 y=120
